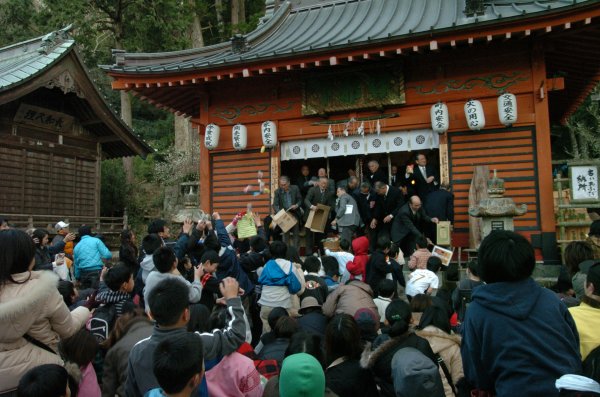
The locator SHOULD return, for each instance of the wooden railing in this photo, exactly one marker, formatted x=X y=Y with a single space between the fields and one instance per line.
x=104 y=225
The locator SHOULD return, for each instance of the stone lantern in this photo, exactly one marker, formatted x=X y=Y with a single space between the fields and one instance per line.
x=497 y=211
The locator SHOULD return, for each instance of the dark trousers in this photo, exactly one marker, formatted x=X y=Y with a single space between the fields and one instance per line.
x=89 y=279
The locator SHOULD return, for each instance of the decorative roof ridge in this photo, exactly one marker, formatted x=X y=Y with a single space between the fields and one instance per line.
x=47 y=43
x=256 y=36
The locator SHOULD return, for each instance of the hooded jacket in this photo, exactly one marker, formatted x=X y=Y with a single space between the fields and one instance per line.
x=32 y=307
x=358 y=267
x=348 y=298
x=518 y=338
x=275 y=291
x=448 y=347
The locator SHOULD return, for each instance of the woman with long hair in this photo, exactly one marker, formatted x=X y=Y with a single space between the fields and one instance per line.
x=344 y=375
x=32 y=312
x=128 y=252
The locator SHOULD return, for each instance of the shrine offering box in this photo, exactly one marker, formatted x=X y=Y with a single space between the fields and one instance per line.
x=284 y=220
x=443 y=233
x=317 y=218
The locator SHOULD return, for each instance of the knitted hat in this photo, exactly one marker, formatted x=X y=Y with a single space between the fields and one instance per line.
x=414 y=374
x=301 y=376
x=368 y=323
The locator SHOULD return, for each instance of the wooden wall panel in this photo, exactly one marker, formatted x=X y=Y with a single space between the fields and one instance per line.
x=512 y=152
x=232 y=173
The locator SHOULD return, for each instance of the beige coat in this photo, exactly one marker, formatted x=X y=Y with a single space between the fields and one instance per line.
x=32 y=306
x=448 y=347
x=348 y=298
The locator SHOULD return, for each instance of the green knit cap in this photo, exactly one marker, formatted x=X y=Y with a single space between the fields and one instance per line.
x=301 y=376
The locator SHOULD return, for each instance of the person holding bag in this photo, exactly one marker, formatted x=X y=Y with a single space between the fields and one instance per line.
x=280 y=279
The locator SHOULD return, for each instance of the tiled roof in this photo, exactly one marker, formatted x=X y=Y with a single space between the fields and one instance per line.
x=31 y=59
x=296 y=29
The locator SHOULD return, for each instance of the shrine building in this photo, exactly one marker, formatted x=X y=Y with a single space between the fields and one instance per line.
x=335 y=83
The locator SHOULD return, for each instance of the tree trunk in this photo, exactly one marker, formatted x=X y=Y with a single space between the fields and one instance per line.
x=127 y=118
x=238 y=14
x=219 y=13
x=196 y=30
x=574 y=145
x=477 y=191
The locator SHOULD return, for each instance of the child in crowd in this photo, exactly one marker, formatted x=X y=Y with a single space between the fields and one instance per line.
x=342 y=257
x=169 y=307
x=418 y=260
x=378 y=267
x=178 y=365
x=166 y=267
x=78 y=352
x=210 y=285
x=116 y=285
x=150 y=243
x=424 y=280
x=386 y=291
x=357 y=268
x=48 y=380
x=315 y=286
x=332 y=273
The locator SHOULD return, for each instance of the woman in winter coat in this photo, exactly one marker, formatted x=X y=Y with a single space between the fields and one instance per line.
x=44 y=254
x=379 y=359
x=344 y=375
x=32 y=312
x=435 y=327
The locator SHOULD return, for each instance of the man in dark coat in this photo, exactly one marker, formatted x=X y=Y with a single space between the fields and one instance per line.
x=410 y=224
x=319 y=194
x=426 y=177
x=375 y=173
x=288 y=198
x=439 y=204
x=304 y=180
x=386 y=209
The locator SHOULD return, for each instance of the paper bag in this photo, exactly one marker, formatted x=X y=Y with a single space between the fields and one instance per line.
x=246 y=227
x=443 y=233
x=317 y=218
x=284 y=220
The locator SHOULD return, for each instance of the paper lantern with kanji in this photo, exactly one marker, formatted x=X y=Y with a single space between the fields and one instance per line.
x=239 y=137
x=507 y=109
x=211 y=136
x=439 y=118
x=269 y=134
x=474 y=115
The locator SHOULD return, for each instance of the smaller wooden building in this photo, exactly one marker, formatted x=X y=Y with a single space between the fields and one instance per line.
x=55 y=128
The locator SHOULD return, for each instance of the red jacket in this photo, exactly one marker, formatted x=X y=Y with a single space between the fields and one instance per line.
x=358 y=267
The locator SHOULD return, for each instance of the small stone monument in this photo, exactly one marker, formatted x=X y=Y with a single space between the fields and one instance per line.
x=497 y=211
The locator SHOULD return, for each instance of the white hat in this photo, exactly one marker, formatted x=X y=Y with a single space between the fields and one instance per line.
x=61 y=225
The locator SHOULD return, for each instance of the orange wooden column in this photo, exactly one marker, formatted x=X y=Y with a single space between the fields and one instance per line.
x=544 y=150
x=204 y=172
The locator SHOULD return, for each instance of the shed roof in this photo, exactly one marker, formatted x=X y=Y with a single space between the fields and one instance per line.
x=312 y=26
x=31 y=65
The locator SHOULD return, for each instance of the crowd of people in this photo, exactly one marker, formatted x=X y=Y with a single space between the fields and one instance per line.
x=203 y=313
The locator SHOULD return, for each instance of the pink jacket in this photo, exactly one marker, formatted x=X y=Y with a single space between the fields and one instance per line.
x=418 y=260
x=234 y=376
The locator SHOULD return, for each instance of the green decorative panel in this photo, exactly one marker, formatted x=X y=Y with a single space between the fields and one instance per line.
x=353 y=89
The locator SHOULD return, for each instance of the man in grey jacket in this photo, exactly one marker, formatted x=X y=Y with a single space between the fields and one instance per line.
x=288 y=198
x=169 y=308
x=347 y=217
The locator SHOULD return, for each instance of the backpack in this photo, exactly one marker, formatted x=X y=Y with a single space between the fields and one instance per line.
x=414 y=374
x=103 y=321
x=591 y=365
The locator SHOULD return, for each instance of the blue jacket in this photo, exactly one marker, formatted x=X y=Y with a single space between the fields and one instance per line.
x=518 y=338
x=229 y=266
x=88 y=255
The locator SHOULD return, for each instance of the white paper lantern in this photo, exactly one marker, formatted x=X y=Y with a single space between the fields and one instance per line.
x=474 y=115
x=239 y=137
x=439 y=118
x=507 y=109
x=211 y=136
x=269 y=134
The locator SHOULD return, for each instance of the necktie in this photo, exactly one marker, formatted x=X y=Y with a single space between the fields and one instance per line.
x=423 y=171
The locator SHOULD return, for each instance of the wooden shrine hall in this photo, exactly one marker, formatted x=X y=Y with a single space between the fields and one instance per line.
x=335 y=83
x=55 y=128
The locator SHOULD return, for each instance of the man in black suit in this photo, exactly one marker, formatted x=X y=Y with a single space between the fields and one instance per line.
x=304 y=180
x=425 y=176
x=410 y=224
x=375 y=173
x=388 y=204
x=395 y=179
x=439 y=204
x=288 y=198
x=319 y=194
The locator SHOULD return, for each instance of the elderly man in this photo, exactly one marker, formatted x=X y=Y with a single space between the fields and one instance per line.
x=319 y=194
x=288 y=198
x=375 y=173
x=347 y=217
x=304 y=181
x=410 y=224
x=322 y=173
x=426 y=177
